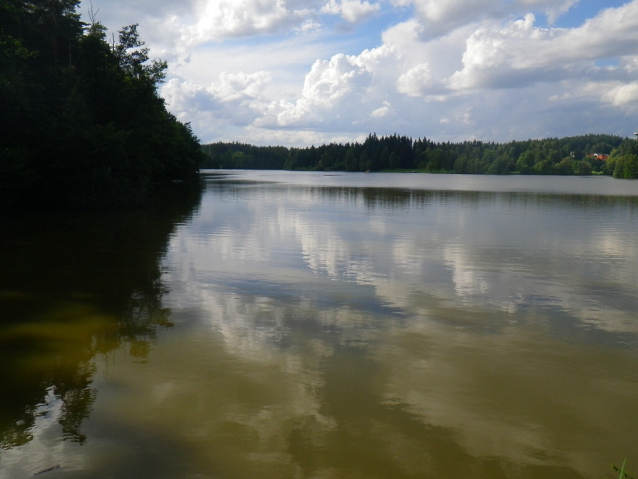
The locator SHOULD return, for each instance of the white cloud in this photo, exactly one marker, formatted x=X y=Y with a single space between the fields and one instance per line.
x=441 y=17
x=622 y=95
x=491 y=56
x=330 y=88
x=186 y=24
x=521 y=53
x=383 y=111
x=552 y=8
x=236 y=98
x=298 y=137
x=350 y=10
x=630 y=64
x=329 y=81
x=230 y=88
x=415 y=80
x=240 y=86
x=239 y=18
x=200 y=21
x=308 y=26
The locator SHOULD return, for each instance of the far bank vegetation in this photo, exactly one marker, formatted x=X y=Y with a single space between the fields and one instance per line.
x=577 y=155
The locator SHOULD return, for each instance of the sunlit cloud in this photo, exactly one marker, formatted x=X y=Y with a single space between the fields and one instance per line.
x=294 y=71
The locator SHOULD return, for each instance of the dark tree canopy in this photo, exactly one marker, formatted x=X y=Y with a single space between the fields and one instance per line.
x=81 y=122
x=578 y=155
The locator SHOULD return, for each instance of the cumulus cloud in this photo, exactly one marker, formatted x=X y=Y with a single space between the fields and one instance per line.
x=492 y=56
x=196 y=22
x=231 y=87
x=380 y=112
x=415 y=80
x=329 y=81
x=185 y=24
x=521 y=53
x=622 y=95
x=240 y=18
x=440 y=18
x=234 y=97
x=350 y=10
x=330 y=86
x=184 y=97
x=553 y=9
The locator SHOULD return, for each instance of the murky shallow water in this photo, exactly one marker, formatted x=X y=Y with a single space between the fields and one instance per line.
x=300 y=325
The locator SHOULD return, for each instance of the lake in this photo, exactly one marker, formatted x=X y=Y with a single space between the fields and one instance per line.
x=326 y=325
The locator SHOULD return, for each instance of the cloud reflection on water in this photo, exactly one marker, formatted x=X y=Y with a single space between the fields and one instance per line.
x=501 y=323
x=502 y=251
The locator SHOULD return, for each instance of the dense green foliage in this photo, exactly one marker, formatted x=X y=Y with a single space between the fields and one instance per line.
x=624 y=160
x=579 y=155
x=81 y=122
x=243 y=156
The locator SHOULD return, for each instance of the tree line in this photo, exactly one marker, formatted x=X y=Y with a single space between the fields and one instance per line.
x=81 y=121
x=577 y=155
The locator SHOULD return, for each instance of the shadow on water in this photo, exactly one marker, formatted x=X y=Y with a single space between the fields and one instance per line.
x=73 y=286
x=397 y=198
x=392 y=197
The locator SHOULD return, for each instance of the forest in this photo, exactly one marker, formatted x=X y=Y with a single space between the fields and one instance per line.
x=579 y=155
x=81 y=122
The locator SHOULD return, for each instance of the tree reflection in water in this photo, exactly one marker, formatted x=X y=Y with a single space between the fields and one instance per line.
x=57 y=314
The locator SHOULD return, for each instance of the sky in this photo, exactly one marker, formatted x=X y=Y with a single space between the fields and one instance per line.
x=311 y=72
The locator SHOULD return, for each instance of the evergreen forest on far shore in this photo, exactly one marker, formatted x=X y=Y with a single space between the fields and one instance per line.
x=578 y=155
x=81 y=122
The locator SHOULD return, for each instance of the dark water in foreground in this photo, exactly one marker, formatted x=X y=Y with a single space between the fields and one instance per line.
x=302 y=325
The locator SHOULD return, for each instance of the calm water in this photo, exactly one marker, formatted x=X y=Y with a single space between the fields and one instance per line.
x=310 y=325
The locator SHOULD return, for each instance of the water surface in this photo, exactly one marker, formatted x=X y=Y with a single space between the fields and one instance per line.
x=310 y=325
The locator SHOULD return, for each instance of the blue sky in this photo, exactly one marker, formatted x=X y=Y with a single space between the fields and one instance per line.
x=584 y=10
x=303 y=72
